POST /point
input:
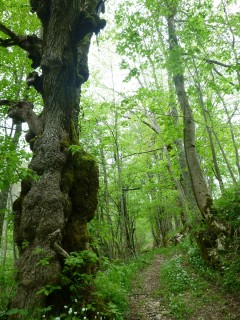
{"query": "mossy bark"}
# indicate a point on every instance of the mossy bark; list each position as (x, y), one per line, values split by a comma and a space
(53, 211)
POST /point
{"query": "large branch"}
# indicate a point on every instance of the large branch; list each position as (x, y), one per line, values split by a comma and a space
(7, 31)
(6, 42)
(5, 102)
(30, 43)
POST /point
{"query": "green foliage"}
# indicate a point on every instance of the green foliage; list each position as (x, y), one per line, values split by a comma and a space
(122, 137)
(7, 287)
(114, 283)
(76, 272)
(11, 161)
(44, 261)
(176, 281)
(20, 312)
(48, 290)
(228, 207)
(188, 285)
(231, 271)
(196, 261)
(75, 148)
(176, 276)
(80, 258)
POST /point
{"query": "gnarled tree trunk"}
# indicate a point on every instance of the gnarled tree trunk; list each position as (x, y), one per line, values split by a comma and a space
(52, 212)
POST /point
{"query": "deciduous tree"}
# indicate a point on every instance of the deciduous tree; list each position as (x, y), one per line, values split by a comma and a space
(52, 212)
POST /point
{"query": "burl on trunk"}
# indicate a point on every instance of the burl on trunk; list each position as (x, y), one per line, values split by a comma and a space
(52, 212)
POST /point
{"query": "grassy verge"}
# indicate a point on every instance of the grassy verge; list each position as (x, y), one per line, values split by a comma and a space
(114, 282)
(188, 287)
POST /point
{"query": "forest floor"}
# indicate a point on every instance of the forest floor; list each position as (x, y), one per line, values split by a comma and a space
(144, 300)
(179, 294)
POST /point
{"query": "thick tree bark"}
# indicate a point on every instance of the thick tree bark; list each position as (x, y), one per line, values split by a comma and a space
(51, 214)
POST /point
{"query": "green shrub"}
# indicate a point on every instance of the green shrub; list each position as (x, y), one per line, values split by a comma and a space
(228, 207)
(195, 259)
(231, 267)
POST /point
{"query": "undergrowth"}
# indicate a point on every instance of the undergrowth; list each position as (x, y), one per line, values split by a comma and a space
(114, 282)
(189, 287)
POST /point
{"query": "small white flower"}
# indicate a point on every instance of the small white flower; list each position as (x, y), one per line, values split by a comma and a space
(83, 309)
(65, 307)
(70, 311)
(43, 316)
(75, 300)
(57, 318)
(75, 312)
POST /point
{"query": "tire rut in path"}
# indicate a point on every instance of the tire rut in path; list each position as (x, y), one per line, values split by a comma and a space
(143, 301)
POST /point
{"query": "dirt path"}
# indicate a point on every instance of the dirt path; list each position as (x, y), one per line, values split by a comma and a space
(144, 301)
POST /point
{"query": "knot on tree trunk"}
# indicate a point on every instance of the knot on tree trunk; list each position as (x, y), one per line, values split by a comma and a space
(88, 23)
(33, 79)
(23, 112)
(42, 8)
(33, 45)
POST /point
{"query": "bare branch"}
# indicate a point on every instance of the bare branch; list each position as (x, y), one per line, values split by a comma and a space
(137, 153)
(218, 63)
(154, 128)
(220, 74)
(211, 61)
(60, 250)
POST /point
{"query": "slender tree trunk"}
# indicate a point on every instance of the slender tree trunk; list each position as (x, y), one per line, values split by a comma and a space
(231, 128)
(15, 139)
(234, 41)
(182, 198)
(209, 131)
(185, 176)
(125, 220)
(5, 244)
(217, 231)
(107, 204)
(225, 158)
(4, 193)
(3, 207)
